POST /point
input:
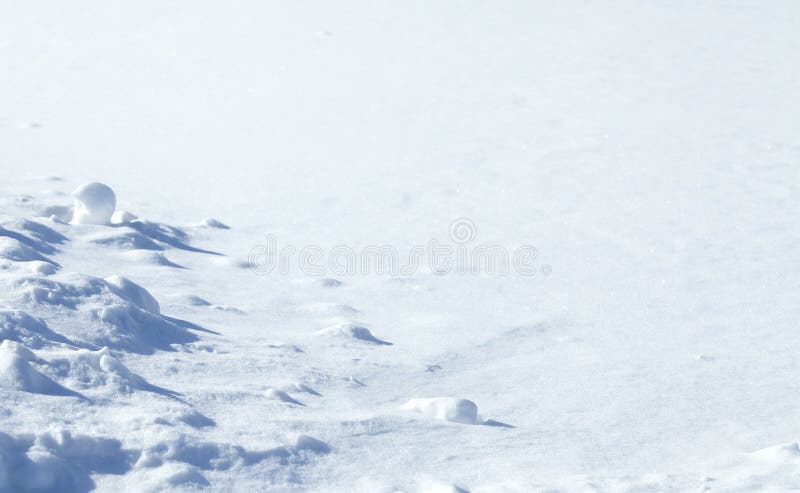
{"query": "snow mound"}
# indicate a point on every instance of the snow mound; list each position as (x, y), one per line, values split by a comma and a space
(213, 223)
(150, 257)
(165, 234)
(436, 487)
(102, 313)
(280, 395)
(129, 290)
(328, 309)
(14, 250)
(19, 326)
(300, 387)
(195, 300)
(208, 456)
(196, 420)
(191, 418)
(445, 408)
(16, 373)
(36, 235)
(94, 204)
(330, 283)
(94, 370)
(769, 469)
(20, 350)
(58, 461)
(171, 475)
(352, 331)
(131, 328)
(39, 267)
(124, 240)
(311, 444)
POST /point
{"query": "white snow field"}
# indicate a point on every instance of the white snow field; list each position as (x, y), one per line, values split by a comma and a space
(154, 154)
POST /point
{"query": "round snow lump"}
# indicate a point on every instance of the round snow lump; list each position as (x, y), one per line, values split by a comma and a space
(94, 204)
(446, 409)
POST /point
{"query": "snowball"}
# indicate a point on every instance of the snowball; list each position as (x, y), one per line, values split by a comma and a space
(94, 204)
(446, 408)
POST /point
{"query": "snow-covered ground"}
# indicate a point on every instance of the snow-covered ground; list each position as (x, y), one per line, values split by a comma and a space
(648, 151)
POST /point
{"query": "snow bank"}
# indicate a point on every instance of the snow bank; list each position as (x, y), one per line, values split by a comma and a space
(445, 408)
(94, 204)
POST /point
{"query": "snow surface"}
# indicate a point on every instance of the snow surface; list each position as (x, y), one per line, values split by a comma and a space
(648, 150)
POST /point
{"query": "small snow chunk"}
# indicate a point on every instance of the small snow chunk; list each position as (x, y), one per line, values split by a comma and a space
(300, 387)
(445, 408)
(196, 420)
(196, 301)
(94, 204)
(123, 217)
(352, 331)
(311, 444)
(355, 382)
(330, 283)
(279, 395)
(213, 223)
(435, 487)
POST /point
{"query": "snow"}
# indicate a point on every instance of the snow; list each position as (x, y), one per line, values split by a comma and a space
(94, 204)
(647, 152)
(446, 408)
(352, 331)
